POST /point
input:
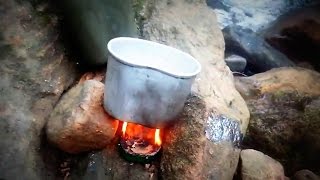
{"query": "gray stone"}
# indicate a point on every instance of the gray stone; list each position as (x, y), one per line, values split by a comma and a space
(88, 166)
(244, 24)
(236, 63)
(257, 166)
(259, 54)
(79, 123)
(34, 73)
(255, 16)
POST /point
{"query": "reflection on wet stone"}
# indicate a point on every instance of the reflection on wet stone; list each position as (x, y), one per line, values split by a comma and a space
(221, 128)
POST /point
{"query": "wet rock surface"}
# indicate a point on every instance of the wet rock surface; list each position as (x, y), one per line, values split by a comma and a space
(184, 143)
(284, 106)
(79, 123)
(189, 154)
(222, 152)
(34, 73)
(256, 165)
(221, 128)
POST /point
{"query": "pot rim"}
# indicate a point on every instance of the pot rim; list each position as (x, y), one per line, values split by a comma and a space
(174, 71)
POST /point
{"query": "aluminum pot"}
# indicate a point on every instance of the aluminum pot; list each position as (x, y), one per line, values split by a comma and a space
(147, 82)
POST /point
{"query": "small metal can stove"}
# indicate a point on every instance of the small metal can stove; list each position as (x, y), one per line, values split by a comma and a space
(139, 143)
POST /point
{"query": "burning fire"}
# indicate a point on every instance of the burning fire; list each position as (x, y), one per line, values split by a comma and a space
(136, 130)
(157, 139)
(124, 127)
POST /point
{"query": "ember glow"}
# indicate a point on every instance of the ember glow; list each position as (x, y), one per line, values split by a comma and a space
(138, 131)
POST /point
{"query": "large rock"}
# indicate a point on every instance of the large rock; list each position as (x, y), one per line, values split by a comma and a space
(298, 80)
(91, 24)
(191, 26)
(254, 16)
(305, 175)
(34, 73)
(79, 123)
(297, 35)
(244, 24)
(259, 54)
(257, 166)
(183, 145)
(188, 154)
(285, 115)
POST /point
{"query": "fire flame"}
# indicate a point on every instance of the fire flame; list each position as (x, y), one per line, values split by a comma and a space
(157, 139)
(124, 128)
(131, 129)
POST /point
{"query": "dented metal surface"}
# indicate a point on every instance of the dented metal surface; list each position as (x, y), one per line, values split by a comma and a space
(221, 128)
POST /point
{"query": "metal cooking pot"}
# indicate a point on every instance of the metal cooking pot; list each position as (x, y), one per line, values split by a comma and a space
(147, 82)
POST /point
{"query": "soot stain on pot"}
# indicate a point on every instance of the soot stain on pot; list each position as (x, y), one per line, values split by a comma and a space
(155, 95)
(145, 96)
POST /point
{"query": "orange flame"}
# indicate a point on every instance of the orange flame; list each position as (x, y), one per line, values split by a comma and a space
(124, 128)
(157, 139)
(137, 130)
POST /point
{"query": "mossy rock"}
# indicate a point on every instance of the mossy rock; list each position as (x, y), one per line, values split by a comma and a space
(283, 125)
